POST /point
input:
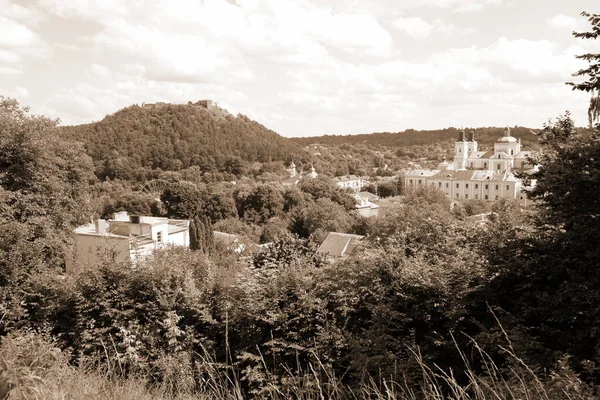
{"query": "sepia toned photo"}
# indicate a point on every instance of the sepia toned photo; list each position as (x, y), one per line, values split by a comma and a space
(299, 199)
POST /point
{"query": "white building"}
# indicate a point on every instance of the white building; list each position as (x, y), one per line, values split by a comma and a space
(125, 237)
(478, 175)
(353, 182)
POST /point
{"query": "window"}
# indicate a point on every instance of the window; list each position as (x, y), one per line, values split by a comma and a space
(486, 196)
(439, 184)
(496, 197)
(512, 152)
(447, 185)
(476, 197)
(498, 167)
(457, 185)
(507, 187)
(419, 181)
(485, 165)
(466, 185)
(471, 165)
(477, 186)
(411, 182)
(487, 186)
(457, 195)
(466, 195)
(496, 187)
(159, 237)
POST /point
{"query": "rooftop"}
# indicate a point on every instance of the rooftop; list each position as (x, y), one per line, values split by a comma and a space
(339, 244)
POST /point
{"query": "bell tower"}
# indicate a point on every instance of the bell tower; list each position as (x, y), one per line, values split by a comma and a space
(461, 151)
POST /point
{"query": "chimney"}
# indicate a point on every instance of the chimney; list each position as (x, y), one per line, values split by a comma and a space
(121, 216)
(101, 226)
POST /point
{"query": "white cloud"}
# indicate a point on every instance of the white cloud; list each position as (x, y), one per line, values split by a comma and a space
(419, 28)
(14, 34)
(8, 57)
(416, 27)
(22, 92)
(100, 71)
(561, 21)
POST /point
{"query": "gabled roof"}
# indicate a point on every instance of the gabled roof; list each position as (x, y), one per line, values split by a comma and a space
(339, 244)
(454, 175)
(503, 156)
(421, 172)
(481, 154)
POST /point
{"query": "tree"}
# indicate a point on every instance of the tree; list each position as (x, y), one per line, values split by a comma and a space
(387, 189)
(262, 202)
(592, 72)
(44, 183)
(183, 200)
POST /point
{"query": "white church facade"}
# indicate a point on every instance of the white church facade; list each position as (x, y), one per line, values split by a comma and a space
(478, 175)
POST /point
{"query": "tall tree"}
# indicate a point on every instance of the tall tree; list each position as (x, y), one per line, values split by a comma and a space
(592, 72)
(43, 191)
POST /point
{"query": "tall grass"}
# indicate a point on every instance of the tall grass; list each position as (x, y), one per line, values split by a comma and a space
(34, 369)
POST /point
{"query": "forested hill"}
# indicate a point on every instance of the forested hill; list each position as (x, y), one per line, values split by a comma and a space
(175, 137)
(411, 137)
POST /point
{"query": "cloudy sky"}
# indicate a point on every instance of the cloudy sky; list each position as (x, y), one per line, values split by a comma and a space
(300, 67)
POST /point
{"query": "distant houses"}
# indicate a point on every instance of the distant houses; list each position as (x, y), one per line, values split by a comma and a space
(353, 182)
(338, 245)
(125, 237)
(208, 104)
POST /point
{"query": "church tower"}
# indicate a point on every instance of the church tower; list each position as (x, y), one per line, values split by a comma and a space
(461, 151)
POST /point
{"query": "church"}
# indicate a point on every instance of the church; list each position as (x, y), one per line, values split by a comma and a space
(478, 175)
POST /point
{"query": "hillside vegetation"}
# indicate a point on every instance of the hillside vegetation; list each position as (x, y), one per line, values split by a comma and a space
(412, 137)
(176, 137)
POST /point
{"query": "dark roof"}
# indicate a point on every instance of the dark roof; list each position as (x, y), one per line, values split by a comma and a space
(339, 244)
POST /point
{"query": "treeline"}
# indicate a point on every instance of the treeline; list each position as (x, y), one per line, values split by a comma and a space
(411, 137)
(133, 141)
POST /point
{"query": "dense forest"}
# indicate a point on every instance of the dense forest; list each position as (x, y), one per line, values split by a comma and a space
(429, 306)
(135, 140)
(412, 137)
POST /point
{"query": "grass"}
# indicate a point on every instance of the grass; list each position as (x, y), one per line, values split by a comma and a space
(35, 369)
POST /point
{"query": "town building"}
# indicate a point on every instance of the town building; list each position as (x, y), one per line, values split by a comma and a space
(338, 245)
(478, 175)
(366, 204)
(125, 237)
(353, 182)
(296, 177)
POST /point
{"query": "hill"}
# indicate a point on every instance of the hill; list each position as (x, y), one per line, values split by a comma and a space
(411, 137)
(175, 137)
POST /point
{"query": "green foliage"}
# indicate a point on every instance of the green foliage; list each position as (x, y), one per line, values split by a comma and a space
(319, 218)
(387, 189)
(183, 200)
(176, 137)
(592, 72)
(259, 203)
(323, 188)
(43, 192)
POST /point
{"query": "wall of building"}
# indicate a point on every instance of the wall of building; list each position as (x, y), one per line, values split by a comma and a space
(179, 238)
(90, 249)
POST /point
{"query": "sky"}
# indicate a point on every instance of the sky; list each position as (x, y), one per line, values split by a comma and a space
(301, 67)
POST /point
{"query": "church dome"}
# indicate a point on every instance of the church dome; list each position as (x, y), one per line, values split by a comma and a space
(507, 138)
